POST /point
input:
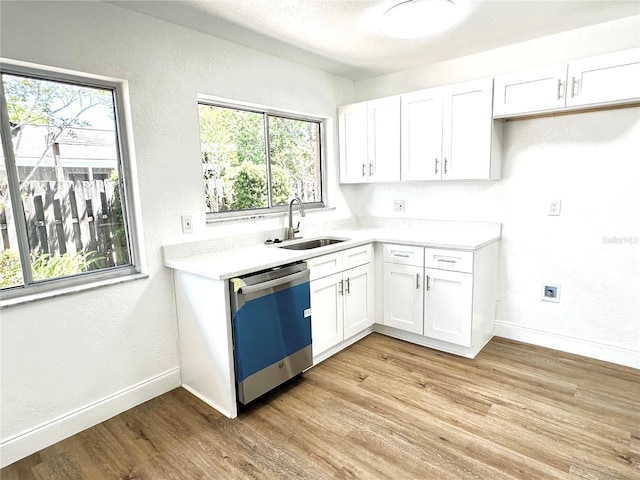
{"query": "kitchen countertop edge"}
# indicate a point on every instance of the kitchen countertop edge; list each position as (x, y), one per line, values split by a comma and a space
(236, 262)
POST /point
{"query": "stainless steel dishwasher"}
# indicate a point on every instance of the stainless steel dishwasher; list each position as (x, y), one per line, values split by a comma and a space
(271, 315)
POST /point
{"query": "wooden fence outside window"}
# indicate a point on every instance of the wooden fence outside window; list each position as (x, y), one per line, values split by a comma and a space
(66, 217)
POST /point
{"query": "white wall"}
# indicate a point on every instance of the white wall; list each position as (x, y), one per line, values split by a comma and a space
(590, 161)
(71, 361)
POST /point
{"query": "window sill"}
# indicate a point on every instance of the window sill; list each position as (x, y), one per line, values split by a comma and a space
(260, 216)
(33, 297)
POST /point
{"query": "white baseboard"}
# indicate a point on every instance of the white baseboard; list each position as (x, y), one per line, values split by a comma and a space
(37, 438)
(586, 348)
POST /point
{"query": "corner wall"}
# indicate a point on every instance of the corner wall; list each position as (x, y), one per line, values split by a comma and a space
(589, 161)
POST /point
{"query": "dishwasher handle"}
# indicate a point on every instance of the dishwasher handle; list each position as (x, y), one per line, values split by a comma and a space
(273, 283)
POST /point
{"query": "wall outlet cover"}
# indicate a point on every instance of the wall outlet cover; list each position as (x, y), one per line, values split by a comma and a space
(398, 205)
(187, 224)
(551, 293)
(554, 208)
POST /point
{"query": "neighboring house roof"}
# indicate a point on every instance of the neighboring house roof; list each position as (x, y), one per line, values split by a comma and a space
(79, 147)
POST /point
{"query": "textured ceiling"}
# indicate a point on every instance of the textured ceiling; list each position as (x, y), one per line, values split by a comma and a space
(342, 36)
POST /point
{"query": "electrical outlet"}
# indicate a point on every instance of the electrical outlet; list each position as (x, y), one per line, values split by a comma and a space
(554, 208)
(398, 205)
(187, 224)
(551, 293)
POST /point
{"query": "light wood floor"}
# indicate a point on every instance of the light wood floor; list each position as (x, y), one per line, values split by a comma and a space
(382, 409)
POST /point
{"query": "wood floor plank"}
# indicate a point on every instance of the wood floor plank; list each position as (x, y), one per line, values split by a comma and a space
(381, 409)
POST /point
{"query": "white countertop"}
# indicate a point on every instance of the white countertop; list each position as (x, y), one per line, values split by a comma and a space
(233, 262)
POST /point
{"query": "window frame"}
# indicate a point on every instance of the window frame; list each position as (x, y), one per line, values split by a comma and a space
(213, 217)
(136, 268)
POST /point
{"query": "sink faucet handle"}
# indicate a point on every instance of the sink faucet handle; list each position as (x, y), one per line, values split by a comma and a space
(297, 229)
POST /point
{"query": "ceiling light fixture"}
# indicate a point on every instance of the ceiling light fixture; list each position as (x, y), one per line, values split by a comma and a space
(422, 18)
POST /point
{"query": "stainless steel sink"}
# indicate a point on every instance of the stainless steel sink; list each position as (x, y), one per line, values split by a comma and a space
(315, 243)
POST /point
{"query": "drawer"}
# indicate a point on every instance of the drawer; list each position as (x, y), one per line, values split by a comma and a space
(354, 257)
(325, 265)
(452, 260)
(403, 254)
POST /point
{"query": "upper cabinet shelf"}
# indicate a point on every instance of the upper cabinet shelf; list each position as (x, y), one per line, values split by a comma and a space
(605, 80)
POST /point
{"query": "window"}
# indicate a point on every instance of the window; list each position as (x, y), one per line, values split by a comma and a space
(259, 160)
(64, 213)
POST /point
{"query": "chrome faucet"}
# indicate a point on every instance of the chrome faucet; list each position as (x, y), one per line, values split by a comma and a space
(291, 232)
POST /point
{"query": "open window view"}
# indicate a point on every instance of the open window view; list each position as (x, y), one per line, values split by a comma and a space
(257, 160)
(62, 163)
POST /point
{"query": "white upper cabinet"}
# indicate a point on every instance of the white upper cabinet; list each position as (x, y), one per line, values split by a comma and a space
(421, 129)
(610, 79)
(448, 133)
(353, 143)
(471, 144)
(530, 91)
(369, 136)
(384, 139)
(606, 79)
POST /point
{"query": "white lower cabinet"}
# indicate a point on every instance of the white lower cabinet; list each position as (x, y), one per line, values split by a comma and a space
(342, 303)
(327, 313)
(444, 299)
(448, 306)
(358, 299)
(403, 305)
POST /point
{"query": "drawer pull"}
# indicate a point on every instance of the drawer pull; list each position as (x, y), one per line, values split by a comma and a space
(447, 260)
(401, 255)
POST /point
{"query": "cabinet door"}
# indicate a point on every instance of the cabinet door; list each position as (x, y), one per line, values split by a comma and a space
(403, 297)
(384, 139)
(353, 143)
(326, 312)
(535, 90)
(358, 299)
(421, 135)
(467, 131)
(448, 306)
(606, 79)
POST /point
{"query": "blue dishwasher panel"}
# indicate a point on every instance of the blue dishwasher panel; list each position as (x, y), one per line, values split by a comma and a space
(270, 328)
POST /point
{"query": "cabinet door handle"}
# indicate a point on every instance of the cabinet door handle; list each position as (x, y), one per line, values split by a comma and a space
(370, 169)
(347, 286)
(417, 281)
(363, 170)
(574, 81)
(436, 172)
(445, 165)
(559, 88)
(341, 287)
(427, 282)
